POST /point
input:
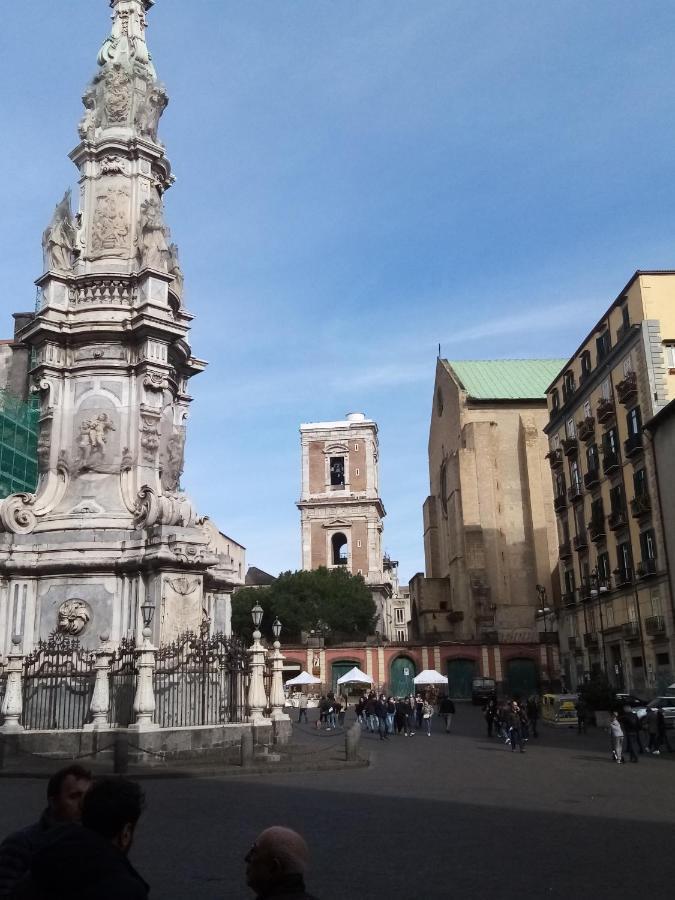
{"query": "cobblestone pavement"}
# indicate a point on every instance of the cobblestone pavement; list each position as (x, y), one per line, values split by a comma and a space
(448, 816)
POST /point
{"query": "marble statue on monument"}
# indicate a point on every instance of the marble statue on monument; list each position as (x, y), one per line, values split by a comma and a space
(109, 528)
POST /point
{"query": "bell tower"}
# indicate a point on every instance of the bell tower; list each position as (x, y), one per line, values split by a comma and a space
(341, 511)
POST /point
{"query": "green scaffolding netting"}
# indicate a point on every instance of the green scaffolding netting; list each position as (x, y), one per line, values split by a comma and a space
(18, 444)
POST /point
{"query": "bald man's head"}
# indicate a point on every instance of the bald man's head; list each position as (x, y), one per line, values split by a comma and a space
(277, 853)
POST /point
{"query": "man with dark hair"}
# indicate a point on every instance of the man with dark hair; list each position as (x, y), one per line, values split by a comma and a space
(90, 862)
(65, 792)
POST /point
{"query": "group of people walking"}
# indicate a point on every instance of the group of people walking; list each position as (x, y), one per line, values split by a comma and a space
(402, 715)
(626, 734)
(512, 721)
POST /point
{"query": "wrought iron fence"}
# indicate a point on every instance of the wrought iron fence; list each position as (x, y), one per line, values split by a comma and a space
(122, 684)
(58, 682)
(201, 680)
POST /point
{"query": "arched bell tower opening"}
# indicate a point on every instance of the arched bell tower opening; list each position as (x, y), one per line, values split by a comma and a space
(340, 549)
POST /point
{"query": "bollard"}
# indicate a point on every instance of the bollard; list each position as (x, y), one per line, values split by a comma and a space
(247, 749)
(352, 739)
(121, 755)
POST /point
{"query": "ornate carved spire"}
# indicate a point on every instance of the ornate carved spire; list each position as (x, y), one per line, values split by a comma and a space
(126, 44)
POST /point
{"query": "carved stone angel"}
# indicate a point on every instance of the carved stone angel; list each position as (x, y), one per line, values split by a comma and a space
(176, 271)
(59, 240)
(150, 112)
(151, 242)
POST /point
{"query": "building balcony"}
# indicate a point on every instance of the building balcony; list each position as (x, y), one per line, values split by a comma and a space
(548, 637)
(580, 542)
(575, 493)
(597, 529)
(568, 599)
(568, 391)
(655, 626)
(630, 631)
(570, 446)
(640, 505)
(623, 577)
(592, 478)
(565, 550)
(610, 462)
(622, 331)
(586, 429)
(632, 445)
(626, 390)
(617, 519)
(555, 458)
(646, 568)
(591, 639)
(604, 410)
(560, 502)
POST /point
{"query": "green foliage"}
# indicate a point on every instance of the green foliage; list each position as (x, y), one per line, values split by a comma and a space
(303, 601)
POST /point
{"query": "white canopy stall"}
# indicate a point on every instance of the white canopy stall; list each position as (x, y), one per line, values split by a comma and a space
(430, 676)
(355, 676)
(301, 679)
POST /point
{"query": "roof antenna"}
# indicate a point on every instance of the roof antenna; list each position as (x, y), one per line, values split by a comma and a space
(439, 352)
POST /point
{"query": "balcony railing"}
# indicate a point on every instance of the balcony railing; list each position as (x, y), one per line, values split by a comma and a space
(591, 639)
(597, 529)
(592, 477)
(633, 444)
(640, 505)
(626, 390)
(646, 568)
(565, 550)
(568, 599)
(610, 461)
(623, 577)
(655, 625)
(576, 492)
(555, 458)
(604, 410)
(560, 502)
(570, 446)
(580, 541)
(622, 331)
(569, 390)
(586, 429)
(618, 518)
(630, 631)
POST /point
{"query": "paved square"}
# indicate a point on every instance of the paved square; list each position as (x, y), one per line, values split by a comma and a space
(448, 816)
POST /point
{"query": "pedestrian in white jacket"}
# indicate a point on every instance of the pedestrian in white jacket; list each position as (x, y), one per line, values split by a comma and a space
(616, 734)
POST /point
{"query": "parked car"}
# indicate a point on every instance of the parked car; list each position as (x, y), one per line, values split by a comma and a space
(639, 707)
(482, 689)
(667, 704)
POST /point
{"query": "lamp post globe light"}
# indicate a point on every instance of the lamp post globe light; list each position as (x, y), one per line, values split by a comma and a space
(257, 698)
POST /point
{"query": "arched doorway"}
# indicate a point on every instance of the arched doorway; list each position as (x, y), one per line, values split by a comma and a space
(338, 669)
(401, 675)
(522, 677)
(461, 673)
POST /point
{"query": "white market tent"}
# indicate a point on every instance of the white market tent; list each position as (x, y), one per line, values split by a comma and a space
(303, 678)
(355, 676)
(430, 676)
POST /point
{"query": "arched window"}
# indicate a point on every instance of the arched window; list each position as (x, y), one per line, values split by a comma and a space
(340, 549)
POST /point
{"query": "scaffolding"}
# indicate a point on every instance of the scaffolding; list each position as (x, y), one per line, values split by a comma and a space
(19, 424)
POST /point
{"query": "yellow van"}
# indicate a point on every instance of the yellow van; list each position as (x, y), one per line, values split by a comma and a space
(559, 709)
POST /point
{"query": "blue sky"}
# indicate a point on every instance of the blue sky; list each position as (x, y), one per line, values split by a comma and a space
(359, 180)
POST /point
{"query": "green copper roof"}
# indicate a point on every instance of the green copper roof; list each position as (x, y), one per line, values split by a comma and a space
(505, 379)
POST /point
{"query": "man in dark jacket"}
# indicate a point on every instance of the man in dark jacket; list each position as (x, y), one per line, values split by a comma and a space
(89, 861)
(65, 793)
(276, 865)
(447, 711)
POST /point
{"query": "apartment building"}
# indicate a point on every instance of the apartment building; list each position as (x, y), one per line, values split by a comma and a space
(615, 611)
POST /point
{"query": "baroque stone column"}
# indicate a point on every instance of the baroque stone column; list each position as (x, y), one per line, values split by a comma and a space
(12, 705)
(100, 701)
(277, 698)
(257, 698)
(144, 701)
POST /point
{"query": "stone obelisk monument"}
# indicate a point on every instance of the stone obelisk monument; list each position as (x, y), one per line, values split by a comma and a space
(109, 529)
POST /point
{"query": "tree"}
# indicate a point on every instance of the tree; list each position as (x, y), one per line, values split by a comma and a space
(331, 600)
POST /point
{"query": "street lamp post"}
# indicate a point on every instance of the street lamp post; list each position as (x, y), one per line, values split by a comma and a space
(146, 657)
(544, 611)
(277, 699)
(257, 699)
(598, 588)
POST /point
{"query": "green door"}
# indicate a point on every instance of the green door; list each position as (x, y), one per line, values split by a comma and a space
(461, 673)
(522, 677)
(401, 677)
(338, 670)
